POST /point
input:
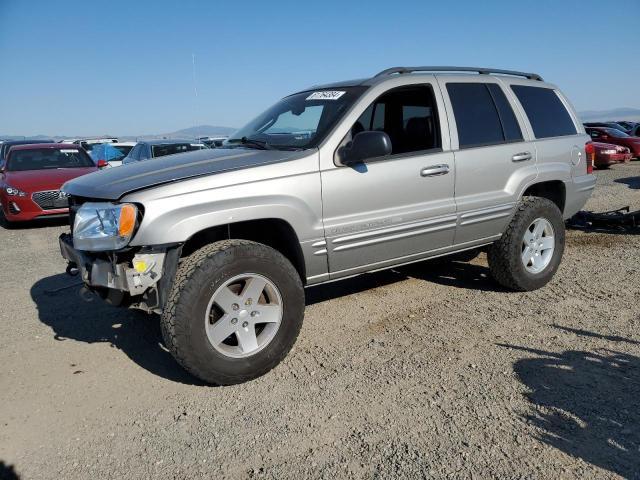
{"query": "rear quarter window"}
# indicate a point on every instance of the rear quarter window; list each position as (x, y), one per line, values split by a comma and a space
(483, 115)
(546, 112)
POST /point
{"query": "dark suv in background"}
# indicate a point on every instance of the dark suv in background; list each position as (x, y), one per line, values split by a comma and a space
(160, 148)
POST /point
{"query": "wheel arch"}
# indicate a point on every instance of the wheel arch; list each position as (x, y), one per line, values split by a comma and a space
(273, 232)
(553, 190)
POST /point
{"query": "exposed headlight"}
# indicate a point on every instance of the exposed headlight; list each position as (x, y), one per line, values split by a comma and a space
(14, 192)
(101, 227)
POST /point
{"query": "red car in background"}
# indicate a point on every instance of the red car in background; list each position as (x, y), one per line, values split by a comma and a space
(607, 154)
(611, 135)
(31, 177)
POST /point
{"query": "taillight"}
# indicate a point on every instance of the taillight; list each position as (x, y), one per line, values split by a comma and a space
(590, 154)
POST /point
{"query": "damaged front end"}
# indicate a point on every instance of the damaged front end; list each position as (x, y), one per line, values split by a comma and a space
(137, 277)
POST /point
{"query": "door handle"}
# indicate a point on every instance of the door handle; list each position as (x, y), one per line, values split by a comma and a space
(521, 157)
(434, 170)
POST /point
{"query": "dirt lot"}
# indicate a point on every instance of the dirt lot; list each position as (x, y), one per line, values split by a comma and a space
(425, 371)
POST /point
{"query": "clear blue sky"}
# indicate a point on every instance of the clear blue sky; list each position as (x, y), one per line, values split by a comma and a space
(125, 67)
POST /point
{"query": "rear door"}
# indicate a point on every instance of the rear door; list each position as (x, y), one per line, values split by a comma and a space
(493, 155)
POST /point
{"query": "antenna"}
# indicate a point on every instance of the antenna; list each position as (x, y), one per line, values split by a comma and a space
(195, 90)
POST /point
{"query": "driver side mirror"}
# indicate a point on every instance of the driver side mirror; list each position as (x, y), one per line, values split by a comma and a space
(102, 164)
(366, 145)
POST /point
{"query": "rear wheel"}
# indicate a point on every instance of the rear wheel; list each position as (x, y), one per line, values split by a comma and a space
(234, 312)
(529, 252)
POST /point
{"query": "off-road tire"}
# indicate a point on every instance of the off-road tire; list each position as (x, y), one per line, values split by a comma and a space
(197, 278)
(504, 255)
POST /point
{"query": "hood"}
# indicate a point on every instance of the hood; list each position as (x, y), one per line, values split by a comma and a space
(38, 180)
(113, 183)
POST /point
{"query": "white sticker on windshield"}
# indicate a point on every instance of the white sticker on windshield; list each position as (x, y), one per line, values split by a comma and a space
(326, 95)
(69, 150)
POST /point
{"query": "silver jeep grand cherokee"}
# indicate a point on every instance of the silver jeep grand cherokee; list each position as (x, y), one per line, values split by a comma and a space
(331, 182)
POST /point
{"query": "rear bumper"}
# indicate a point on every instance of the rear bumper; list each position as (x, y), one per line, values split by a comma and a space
(578, 191)
(606, 160)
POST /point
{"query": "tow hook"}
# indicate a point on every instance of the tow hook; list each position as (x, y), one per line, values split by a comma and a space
(72, 269)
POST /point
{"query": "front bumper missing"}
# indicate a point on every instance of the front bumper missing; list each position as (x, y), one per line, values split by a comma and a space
(101, 272)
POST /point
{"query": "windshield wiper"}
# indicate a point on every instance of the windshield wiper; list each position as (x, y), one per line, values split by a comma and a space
(252, 142)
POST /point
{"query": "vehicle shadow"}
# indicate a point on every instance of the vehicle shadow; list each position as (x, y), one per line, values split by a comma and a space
(586, 404)
(445, 272)
(33, 224)
(8, 472)
(455, 274)
(87, 318)
(631, 182)
(587, 333)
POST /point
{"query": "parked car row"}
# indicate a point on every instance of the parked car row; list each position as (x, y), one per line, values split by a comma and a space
(32, 172)
(613, 143)
(31, 176)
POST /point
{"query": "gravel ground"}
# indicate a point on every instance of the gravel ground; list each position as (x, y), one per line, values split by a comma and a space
(422, 372)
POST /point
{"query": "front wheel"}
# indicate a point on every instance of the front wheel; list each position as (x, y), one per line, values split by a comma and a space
(529, 252)
(4, 222)
(234, 311)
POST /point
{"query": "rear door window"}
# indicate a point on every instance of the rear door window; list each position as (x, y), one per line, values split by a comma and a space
(546, 112)
(476, 115)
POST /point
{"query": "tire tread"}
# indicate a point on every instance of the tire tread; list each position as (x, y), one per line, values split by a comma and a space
(190, 267)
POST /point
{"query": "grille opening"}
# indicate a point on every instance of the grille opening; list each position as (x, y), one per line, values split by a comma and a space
(51, 199)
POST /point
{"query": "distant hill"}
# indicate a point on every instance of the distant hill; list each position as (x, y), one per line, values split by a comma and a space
(629, 114)
(191, 132)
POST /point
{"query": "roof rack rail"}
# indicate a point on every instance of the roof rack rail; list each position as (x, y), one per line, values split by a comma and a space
(482, 71)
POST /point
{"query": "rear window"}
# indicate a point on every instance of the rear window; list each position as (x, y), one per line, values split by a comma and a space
(109, 152)
(170, 149)
(48, 158)
(124, 149)
(614, 132)
(483, 115)
(547, 114)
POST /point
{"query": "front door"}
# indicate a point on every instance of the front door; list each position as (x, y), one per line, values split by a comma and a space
(392, 209)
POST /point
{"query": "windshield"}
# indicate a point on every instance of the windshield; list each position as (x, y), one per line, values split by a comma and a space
(299, 121)
(173, 148)
(47, 158)
(109, 152)
(615, 132)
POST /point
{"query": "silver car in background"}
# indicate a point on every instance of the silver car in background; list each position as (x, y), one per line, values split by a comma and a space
(331, 182)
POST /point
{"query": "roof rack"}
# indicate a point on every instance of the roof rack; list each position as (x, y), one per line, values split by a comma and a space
(482, 71)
